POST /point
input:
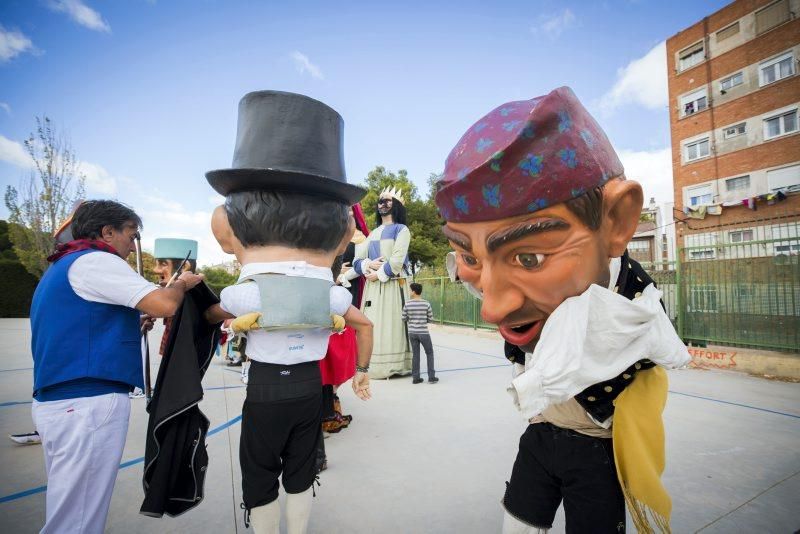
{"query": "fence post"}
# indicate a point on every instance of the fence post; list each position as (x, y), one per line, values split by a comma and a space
(441, 300)
(679, 292)
(474, 313)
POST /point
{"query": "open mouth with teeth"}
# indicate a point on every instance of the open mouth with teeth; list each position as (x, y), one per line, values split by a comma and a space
(522, 334)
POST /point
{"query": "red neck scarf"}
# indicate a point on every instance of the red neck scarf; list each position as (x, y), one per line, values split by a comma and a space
(62, 249)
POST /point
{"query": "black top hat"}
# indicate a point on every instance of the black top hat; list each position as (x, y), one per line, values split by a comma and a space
(287, 142)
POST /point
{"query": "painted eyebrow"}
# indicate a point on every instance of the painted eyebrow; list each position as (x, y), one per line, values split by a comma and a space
(458, 238)
(498, 239)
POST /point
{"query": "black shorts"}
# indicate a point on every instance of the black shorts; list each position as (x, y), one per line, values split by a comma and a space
(281, 424)
(555, 464)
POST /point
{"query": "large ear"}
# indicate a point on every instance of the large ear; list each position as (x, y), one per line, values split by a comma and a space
(622, 206)
(222, 230)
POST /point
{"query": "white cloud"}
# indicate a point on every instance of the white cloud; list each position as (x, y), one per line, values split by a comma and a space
(303, 65)
(98, 179)
(216, 200)
(165, 217)
(555, 24)
(5, 107)
(643, 81)
(652, 169)
(14, 153)
(82, 14)
(13, 43)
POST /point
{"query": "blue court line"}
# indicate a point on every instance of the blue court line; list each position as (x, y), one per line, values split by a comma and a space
(736, 404)
(472, 352)
(20, 369)
(123, 465)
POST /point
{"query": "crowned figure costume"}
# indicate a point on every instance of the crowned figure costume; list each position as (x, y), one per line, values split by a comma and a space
(384, 298)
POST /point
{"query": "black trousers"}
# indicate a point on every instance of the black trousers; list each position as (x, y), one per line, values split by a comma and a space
(281, 426)
(555, 464)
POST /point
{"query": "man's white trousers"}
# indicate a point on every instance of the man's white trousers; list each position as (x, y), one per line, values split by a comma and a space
(83, 439)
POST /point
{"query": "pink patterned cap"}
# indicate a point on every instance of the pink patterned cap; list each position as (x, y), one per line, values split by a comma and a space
(525, 156)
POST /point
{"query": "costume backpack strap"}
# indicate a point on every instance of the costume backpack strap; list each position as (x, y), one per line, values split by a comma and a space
(292, 302)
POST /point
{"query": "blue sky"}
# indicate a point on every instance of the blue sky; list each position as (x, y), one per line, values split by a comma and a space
(148, 90)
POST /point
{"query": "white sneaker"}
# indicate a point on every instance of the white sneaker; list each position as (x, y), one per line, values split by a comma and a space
(136, 394)
(31, 438)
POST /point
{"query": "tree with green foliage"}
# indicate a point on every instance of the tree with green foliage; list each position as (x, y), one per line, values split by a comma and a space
(16, 284)
(218, 279)
(45, 197)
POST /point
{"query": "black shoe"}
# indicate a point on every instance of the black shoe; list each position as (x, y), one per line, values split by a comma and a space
(433, 380)
(417, 381)
(237, 363)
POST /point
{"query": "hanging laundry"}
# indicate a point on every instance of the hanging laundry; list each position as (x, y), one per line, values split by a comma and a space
(716, 209)
(696, 212)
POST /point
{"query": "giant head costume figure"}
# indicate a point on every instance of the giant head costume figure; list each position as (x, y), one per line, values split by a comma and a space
(536, 206)
(539, 213)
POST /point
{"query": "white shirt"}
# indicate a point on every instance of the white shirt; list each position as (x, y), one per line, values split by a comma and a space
(106, 278)
(285, 347)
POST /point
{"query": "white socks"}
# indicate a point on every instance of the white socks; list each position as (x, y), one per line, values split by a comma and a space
(512, 525)
(266, 519)
(298, 511)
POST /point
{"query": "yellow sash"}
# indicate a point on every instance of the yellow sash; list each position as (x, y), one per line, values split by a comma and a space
(638, 433)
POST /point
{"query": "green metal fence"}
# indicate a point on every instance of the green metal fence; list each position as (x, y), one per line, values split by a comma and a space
(741, 287)
(738, 287)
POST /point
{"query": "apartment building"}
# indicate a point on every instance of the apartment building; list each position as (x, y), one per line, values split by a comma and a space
(734, 94)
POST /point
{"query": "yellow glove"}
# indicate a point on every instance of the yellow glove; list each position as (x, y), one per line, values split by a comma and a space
(246, 322)
(338, 323)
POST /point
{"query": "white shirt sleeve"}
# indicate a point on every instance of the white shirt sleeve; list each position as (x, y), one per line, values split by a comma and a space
(341, 299)
(106, 278)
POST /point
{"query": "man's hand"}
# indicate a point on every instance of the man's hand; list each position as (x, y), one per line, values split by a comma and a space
(191, 279)
(246, 322)
(371, 276)
(376, 263)
(146, 323)
(361, 386)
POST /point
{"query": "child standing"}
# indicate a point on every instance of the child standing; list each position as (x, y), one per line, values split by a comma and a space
(417, 313)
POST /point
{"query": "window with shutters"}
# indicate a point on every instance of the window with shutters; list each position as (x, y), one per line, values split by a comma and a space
(694, 102)
(697, 149)
(691, 56)
(731, 81)
(735, 130)
(730, 31)
(787, 178)
(782, 124)
(776, 69)
(772, 15)
(700, 196)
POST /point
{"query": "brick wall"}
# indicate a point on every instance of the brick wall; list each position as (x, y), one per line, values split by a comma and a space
(771, 153)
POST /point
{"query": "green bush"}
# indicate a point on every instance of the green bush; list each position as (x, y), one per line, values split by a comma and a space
(16, 287)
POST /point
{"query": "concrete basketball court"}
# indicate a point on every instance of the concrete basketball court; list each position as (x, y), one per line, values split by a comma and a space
(434, 458)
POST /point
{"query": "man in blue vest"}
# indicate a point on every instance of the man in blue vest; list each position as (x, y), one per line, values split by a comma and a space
(86, 345)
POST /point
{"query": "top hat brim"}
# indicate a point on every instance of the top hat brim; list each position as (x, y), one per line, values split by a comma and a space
(226, 181)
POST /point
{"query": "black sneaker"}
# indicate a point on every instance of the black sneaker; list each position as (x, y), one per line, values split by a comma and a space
(417, 381)
(433, 380)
